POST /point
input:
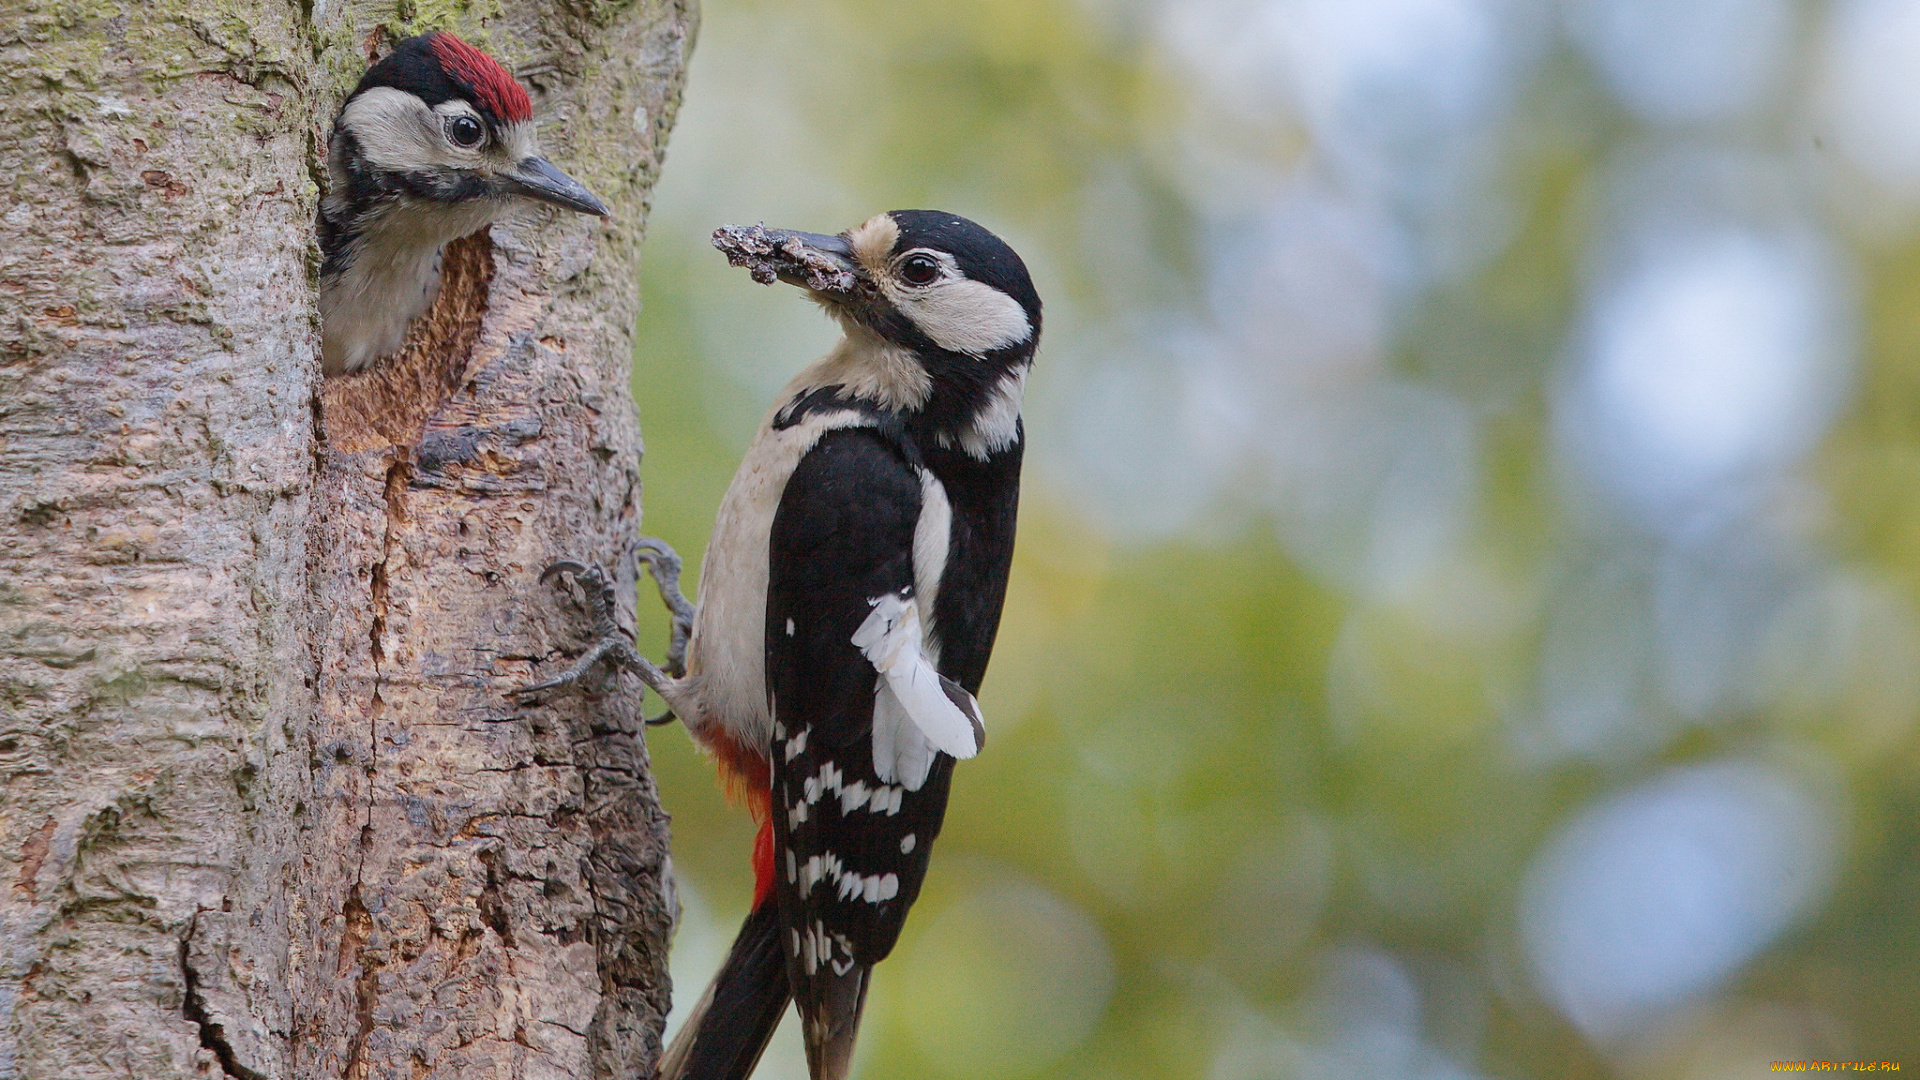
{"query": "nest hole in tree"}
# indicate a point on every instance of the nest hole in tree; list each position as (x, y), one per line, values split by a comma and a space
(389, 403)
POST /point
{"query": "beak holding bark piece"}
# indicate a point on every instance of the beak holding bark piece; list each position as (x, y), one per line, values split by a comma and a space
(815, 262)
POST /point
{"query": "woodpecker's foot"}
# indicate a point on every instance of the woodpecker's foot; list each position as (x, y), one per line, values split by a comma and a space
(611, 643)
(664, 564)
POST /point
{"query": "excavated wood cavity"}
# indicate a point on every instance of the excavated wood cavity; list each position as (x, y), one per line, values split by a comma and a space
(388, 403)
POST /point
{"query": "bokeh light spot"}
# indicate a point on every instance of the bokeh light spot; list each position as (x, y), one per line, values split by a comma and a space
(1686, 60)
(1717, 356)
(1646, 902)
(1872, 90)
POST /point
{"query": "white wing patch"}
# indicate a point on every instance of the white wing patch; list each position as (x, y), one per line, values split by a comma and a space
(901, 752)
(932, 536)
(915, 710)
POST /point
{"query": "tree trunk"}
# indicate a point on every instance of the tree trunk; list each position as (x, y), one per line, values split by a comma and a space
(265, 808)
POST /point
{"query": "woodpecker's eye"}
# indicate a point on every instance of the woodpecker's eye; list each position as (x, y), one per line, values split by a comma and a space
(465, 131)
(919, 269)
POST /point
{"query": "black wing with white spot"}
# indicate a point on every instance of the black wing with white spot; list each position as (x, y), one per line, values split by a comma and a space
(851, 841)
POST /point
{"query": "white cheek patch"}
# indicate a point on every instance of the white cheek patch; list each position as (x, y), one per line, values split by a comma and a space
(395, 129)
(966, 316)
(397, 132)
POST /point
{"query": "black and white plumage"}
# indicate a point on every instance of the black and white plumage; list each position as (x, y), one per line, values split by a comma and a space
(435, 142)
(850, 596)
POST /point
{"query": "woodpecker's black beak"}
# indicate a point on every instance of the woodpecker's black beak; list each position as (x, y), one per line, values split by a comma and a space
(806, 254)
(536, 178)
(822, 264)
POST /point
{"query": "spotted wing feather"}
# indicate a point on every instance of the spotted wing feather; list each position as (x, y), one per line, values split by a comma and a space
(851, 848)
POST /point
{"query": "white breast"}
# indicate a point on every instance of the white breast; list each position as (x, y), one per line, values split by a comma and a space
(726, 657)
(390, 279)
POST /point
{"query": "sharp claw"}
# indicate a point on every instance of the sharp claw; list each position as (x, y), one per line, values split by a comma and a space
(564, 566)
(615, 642)
(661, 720)
(665, 564)
(574, 673)
(535, 688)
(656, 552)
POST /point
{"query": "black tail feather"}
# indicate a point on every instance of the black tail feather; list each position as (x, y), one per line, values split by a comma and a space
(830, 1019)
(735, 1018)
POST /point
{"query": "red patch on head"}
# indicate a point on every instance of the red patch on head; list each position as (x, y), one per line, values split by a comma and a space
(499, 93)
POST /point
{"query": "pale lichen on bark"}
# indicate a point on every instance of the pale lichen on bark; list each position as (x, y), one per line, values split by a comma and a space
(265, 809)
(154, 492)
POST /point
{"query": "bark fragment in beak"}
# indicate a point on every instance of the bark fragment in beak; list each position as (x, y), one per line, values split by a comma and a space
(822, 264)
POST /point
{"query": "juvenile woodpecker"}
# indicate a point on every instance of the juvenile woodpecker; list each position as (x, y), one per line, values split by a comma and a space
(435, 143)
(849, 599)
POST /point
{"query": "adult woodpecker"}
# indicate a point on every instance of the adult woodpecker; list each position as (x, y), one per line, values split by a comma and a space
(849, 599)
(436, 142)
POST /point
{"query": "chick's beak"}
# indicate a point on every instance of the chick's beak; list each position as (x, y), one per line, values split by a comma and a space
(536, 178)
(821, 264)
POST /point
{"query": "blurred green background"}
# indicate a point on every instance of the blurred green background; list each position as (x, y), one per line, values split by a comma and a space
(1464, 617)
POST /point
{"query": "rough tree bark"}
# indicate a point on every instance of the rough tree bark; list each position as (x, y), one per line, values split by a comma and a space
(265, 809)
